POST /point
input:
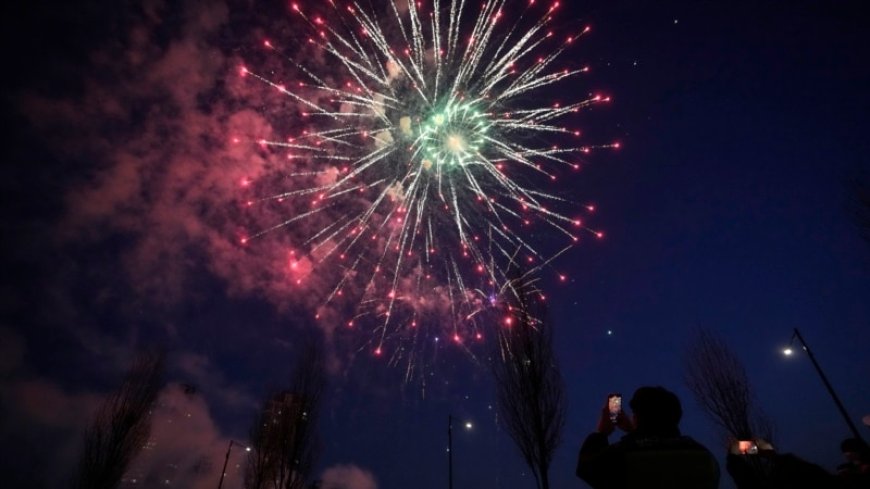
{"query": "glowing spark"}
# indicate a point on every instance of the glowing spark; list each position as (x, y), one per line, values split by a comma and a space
(424, 129)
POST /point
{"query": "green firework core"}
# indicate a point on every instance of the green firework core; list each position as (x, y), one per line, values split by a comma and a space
(452, 136)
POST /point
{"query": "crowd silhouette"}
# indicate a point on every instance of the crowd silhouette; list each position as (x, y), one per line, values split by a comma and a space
(653, 453)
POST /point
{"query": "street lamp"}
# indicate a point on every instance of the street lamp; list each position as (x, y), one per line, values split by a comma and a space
(788, 352)
(227, 459)
(468, 426)
(450, 451)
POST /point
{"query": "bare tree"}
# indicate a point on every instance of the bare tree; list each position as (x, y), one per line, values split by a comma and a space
(529, 387)
(720, 385)
(121, 426)
(284, 435)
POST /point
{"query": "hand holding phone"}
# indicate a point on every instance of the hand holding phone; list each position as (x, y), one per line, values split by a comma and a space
(614, 405)
(747, 447)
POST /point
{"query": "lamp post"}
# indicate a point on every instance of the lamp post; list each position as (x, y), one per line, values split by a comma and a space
(227, 459)
(788, 351)
(450, 451)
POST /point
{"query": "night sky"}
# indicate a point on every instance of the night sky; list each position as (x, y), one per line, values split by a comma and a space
(741, 126)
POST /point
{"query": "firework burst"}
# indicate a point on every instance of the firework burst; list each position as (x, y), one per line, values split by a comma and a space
(424, 159)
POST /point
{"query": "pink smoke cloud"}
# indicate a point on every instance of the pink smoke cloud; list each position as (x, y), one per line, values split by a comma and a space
(48, 404)
(41, 414)
(185, 449)
(164, 169)
(185, 445)
(170, 162)
(347, 476)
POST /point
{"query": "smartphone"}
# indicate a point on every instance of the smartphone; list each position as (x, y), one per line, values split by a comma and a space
(614, 405)
(747, 447)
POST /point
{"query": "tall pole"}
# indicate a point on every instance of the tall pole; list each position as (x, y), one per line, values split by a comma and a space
(449, 451)
(828, 385)
(226, 459)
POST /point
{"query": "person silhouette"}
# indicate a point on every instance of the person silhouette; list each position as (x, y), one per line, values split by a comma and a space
(855, 472)
(652, 453)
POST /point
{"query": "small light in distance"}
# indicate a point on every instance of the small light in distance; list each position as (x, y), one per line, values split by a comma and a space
(468, 425)
(787, 351)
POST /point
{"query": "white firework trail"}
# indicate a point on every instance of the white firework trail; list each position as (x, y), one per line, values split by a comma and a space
(424, 154)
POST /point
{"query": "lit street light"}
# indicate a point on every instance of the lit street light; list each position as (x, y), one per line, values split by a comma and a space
(227, 459)
(468, 426)
(788, 352)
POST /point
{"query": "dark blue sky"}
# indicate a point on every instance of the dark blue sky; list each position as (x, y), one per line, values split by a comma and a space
(744, 123)
(726, 208)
